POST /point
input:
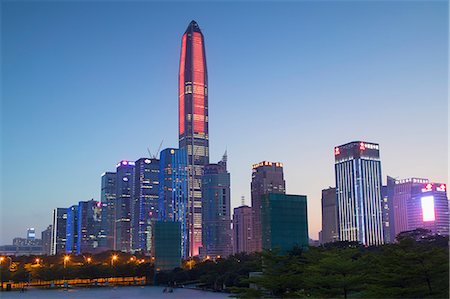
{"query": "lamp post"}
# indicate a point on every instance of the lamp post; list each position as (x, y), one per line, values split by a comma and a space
(87, 259)
(2, 259)
(113, 258)
(37, 260)
(66, 260)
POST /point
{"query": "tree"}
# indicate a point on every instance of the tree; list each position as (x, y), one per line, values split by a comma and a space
(337, 273)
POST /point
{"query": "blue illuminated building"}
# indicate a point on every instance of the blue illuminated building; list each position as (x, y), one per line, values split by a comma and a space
(145, 203)
(216, 210)
(91, 232)
(72, 229)
(108, 199)
(124, 194)
(173, 183)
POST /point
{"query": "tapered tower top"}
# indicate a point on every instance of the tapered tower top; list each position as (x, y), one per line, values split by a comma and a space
(193, 27)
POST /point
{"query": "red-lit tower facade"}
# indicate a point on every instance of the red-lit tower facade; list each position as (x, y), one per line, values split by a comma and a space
(193, 126)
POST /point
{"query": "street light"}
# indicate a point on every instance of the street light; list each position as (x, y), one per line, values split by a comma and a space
(66, 260)
(113, 258)
(2, 259)
(89, 259)
(37, 260)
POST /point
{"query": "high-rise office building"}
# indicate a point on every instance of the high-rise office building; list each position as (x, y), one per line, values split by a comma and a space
(46, 237)
(216, 210)
(267, 177)
(387, 193)
(72, 229)
(58, 243)
(329, 216)
(90, 228)
(242, 229)
(284, 222)
(145, 203)
(419, 203)
(124, 195)
(173, 192)
(358, 190)
(193, 125)
(108, 199)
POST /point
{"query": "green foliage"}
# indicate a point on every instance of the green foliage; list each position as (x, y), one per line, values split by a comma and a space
(415, 267)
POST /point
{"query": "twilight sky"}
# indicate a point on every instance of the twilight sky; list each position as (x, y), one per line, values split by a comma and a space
(85, 85)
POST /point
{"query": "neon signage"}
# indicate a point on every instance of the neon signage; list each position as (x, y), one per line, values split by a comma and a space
(428, 213)
(441, 188)
(428, 187)
(337, 151)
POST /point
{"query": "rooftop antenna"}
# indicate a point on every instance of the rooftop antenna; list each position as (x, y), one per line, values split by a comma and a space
(159, 148)
(149, 153)
(243, 200)
(155, 156)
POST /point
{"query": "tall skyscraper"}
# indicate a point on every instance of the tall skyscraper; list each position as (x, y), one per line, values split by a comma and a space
(358, 189)
(419, 203)
(124, 194)
(90, 228)
(72, 229)
(108, 199)
(173, 188)
(242, 229)
(284, 221)
(387, 193)
(216, 210)
(329, 216)
(145, 203)
(58, 244)
(193, 125)
(267, 177)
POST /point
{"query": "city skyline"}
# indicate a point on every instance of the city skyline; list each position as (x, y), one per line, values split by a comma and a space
(309, 129)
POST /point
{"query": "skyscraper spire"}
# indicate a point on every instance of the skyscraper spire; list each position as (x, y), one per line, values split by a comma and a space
(193, 125)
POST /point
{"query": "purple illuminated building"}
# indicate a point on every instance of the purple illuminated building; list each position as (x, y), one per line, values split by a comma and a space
(419, 203)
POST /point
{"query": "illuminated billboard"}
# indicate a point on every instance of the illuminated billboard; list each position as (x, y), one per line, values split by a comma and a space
(428, 213)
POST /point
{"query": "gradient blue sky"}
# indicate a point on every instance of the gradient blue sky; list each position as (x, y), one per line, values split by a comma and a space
(85, 85)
